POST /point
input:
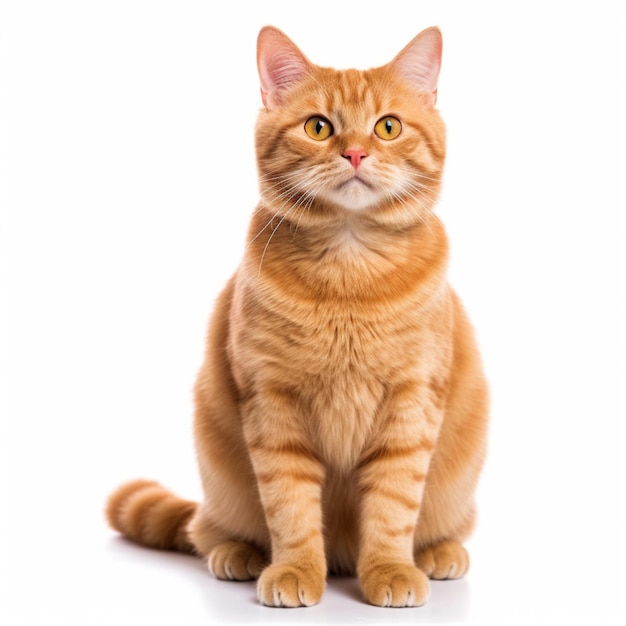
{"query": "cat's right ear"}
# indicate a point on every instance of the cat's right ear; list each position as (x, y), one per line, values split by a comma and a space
(280, 63)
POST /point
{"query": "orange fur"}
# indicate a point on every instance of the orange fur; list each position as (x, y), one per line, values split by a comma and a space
(341, 409)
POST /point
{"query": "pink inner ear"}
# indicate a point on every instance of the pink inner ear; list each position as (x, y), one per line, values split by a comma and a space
(419, 62)
(280, 64)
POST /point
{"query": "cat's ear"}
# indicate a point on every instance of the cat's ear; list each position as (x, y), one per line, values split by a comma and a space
(280, 63)
(419, 62)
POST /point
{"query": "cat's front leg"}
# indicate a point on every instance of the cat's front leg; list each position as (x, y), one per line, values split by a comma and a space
(392, 476)
(290, 479)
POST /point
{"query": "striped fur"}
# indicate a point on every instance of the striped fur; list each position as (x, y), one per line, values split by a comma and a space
(147, 513)
(341, 409)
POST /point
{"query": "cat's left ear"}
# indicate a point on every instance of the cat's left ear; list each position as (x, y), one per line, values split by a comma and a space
(280, 63)
(419, 62)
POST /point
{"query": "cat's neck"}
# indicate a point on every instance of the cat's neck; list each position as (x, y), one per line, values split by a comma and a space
(348, 255)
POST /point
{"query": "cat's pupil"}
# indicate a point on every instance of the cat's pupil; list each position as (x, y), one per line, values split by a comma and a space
(388, 126)
(318, 126)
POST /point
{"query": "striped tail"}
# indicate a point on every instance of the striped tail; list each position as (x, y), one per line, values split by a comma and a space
(149, 514)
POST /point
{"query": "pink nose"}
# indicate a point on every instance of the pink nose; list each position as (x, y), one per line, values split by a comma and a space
(355, 155)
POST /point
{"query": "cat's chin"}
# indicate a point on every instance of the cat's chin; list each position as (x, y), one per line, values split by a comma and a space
(354, 195)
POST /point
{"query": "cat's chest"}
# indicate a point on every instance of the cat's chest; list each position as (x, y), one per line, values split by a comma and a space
(340, 358)
(347, 343)
(334, 340)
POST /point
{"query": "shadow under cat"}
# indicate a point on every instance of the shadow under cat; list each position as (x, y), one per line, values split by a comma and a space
(235, 602)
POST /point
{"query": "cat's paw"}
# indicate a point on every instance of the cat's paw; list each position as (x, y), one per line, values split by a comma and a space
(446, 560)
(289, 586)
(395, 584)
(235, 560)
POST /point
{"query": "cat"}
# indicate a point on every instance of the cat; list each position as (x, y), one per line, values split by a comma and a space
(341, 409)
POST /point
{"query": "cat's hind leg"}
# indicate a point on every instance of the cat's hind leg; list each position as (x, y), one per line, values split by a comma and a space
(227, 558)
(236, 560)
(445, 560)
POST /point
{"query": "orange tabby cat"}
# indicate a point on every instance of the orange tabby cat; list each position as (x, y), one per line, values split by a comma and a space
(341, 409)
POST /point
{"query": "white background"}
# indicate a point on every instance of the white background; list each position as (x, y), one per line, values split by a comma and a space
(128, 178)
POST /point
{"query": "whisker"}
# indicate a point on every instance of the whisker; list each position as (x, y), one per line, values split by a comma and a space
(283, 193)
(271, 237)
(307, 181)
(305, 207)
(415, 194)
(296, 205)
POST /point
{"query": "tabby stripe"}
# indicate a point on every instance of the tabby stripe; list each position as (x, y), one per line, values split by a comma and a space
(137, 511)
(269, 476)
(406, 501)
(299, 542)
(382, 567)
(294, 448)
(149, 514)
(273, 144)
(399, 532)
(434, 152)
(275, 508)
(384, 454)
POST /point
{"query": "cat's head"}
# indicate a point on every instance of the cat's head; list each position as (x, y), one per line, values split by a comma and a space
(349, 140)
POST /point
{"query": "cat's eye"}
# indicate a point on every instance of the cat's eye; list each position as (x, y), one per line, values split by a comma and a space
(388, 127)
(318, 128)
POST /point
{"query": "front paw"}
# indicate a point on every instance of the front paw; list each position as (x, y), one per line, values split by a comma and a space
(290, 586)
(395, 584)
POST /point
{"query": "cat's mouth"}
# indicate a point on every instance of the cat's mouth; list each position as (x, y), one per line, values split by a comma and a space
(355, 180)
(355, 192)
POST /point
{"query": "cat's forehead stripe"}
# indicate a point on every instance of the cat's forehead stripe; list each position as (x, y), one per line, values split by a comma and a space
(347, 87)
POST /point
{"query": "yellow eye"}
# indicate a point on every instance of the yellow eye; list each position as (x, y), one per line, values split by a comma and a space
(318, 128)
(388, 127)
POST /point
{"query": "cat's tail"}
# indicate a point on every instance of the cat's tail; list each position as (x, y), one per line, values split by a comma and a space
(150, 515)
